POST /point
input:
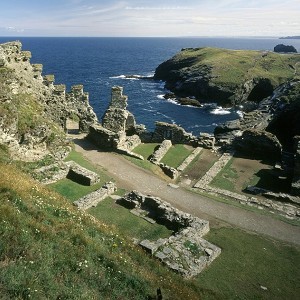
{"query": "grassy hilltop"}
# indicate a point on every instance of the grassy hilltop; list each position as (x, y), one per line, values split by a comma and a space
(224, 76)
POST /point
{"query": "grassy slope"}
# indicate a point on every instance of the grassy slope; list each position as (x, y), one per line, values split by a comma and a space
(50, 249)
(232, 67)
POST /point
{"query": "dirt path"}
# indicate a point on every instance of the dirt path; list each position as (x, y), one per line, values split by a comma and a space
(131, 177)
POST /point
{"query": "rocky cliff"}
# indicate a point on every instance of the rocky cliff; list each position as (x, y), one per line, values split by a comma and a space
(228, 77)
(34, 111)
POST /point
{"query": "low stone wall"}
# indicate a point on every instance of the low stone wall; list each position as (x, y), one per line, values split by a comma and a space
(81, 175)
(287, 210)
(157, 155)
(189, 159)
(171, 132)
(92, 199)
(186, 252)
(214, 170)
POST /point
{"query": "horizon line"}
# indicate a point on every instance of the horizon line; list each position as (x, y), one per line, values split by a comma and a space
(200, 36)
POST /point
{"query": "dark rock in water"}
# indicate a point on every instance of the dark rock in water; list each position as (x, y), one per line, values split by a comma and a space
(285, 48)
(258, 144)
(183, 101)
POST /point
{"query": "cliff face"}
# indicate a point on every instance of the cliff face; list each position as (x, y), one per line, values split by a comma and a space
(34, 111)
(228, 77)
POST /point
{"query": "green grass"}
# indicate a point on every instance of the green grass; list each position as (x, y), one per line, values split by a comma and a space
(72, 190)
(50, 249)
(145, 149)
(176, 155)
(247, 262)
(225, 178)
(130, 225)
(232, 67)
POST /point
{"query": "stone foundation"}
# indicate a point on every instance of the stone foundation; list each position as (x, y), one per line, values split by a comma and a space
(185, 252)
(81, 175)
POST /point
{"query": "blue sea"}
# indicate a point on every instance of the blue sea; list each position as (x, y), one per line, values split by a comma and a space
(100, 63)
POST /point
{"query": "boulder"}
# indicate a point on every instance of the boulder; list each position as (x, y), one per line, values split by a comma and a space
(258, 144)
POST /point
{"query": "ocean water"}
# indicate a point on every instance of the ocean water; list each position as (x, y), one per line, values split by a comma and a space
(100, 63)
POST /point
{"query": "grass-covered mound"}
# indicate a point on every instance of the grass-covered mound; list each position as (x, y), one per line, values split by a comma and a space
(225, 76)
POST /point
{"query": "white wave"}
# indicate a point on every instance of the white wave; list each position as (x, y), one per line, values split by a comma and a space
(118, 77)
(132, 76)
(240, 114)
(162, 96)
(220, 111)
(148, 109)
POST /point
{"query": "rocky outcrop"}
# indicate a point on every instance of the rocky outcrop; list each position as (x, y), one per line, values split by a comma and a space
(296, 179)
(284, 48)
(228, 77)
(34, 111)
(258, 144)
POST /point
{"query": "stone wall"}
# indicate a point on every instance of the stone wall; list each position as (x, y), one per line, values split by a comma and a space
(92, 199)
(81, 175)
(158, 154)
(56, 105)
(101, 137)
(172, 132)
(118, 126)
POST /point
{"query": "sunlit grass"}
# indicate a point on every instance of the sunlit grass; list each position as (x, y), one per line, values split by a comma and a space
(176, 155)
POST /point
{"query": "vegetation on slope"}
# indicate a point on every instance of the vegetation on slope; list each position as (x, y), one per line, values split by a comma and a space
(50, 250)
(22, 114)
(215, 74)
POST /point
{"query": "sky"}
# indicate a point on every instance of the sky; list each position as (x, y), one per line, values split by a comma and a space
(132, 18)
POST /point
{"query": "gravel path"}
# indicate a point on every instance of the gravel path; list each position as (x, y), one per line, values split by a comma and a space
(131, 177)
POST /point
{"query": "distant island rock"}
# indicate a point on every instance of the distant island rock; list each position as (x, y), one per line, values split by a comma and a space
(293, 37)
(285, 49)
(226, 77)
